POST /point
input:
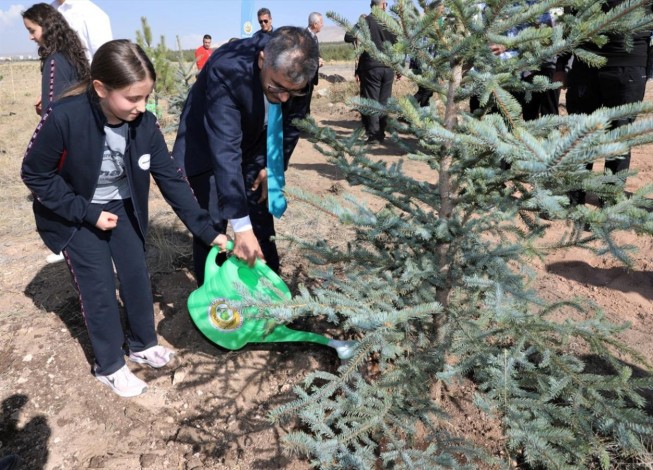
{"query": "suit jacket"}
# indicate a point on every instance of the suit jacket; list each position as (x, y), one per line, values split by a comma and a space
(222, 126)
(379, 35)
(316, 78)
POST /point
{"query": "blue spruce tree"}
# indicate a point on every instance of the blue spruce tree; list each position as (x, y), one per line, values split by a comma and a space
(436, 284)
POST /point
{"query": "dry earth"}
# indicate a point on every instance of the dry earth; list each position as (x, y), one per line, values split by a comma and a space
(209, 409)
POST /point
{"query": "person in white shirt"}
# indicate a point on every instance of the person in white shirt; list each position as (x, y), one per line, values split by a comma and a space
(91, 23)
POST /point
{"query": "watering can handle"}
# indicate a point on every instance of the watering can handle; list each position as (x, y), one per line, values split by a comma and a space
(260, 268)
(211, 268)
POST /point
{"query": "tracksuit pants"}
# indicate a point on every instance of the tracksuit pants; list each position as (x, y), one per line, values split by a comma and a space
(91, 255)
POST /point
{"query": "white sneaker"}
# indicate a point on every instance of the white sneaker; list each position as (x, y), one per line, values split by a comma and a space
(156, 356)
(123, 382)
(54, 258)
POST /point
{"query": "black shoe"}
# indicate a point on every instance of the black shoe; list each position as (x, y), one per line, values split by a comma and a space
(375, 139)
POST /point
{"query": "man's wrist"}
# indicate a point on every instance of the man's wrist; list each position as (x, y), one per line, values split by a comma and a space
(241, 225)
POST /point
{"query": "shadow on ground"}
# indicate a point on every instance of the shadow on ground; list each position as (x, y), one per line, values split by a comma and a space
(29, 442)
(617, 278)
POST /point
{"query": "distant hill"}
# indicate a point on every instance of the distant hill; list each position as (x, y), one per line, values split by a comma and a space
(332, 34)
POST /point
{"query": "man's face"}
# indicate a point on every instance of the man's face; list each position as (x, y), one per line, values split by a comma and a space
(383, 5)
(206, 43)
(266, 23)
(276, 86)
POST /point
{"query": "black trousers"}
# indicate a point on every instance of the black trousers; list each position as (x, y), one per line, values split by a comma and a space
(589, 89)
(262, 221)
(541, 103)
(376, 84)
(423, 96)
(310, 87)
(91, 256)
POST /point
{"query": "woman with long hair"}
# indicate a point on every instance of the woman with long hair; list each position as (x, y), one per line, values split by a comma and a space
(63, 58)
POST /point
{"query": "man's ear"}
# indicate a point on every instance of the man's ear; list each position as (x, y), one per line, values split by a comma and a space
(261, 59)
(100, 89)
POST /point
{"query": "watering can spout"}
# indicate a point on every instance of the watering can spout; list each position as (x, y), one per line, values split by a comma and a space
(344, 349)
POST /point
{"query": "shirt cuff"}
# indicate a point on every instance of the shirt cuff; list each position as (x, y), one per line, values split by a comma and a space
(241, 225)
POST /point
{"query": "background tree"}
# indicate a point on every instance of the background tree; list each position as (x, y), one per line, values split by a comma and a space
(166, 80)
(436, 284)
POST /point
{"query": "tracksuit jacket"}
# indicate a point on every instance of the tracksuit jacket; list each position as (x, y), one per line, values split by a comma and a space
(62, 164)
(57, 76)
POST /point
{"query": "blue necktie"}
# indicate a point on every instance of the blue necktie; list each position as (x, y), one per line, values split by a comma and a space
(276, 201)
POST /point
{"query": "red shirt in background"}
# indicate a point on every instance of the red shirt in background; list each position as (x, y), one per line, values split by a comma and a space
(201, 56)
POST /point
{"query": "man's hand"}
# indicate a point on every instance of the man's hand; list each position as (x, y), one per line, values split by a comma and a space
(320, 62)
(107, 221)
(246, 247)
(262, 180)
(38, 107)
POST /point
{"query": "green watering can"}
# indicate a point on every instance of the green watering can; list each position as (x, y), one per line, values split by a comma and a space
(210, 308)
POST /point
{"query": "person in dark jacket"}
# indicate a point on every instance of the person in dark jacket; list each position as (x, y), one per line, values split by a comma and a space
(315, 24)
(63, 58)
(375, 77)
(221, 143)
(264, 17)
(622, 80)
(88, 165)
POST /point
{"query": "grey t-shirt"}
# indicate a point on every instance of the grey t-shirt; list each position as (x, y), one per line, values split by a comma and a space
(113, 183)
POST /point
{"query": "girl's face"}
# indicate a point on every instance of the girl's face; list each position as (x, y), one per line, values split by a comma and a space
(124, 104)
(35, 31)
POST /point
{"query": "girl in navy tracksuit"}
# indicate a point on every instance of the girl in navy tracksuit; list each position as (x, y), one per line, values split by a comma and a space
(63, 59)
(88, 165)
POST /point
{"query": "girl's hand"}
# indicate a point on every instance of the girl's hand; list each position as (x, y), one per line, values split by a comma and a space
(107, 221)
(221, 241)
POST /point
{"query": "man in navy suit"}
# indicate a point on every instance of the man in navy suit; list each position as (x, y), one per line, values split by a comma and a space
(221, 141)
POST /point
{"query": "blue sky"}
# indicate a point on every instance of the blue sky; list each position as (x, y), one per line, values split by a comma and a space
(188, 19)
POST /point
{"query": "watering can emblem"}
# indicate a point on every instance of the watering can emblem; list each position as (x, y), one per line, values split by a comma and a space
(211, 307)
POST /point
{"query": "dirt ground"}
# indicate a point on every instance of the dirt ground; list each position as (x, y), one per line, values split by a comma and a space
(209, 410)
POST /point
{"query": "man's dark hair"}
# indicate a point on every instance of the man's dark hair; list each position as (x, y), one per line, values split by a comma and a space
(294, 52)
(207, 36)
(264, 11)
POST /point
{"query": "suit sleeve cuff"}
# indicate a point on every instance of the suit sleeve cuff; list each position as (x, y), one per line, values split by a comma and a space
(241, 225)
